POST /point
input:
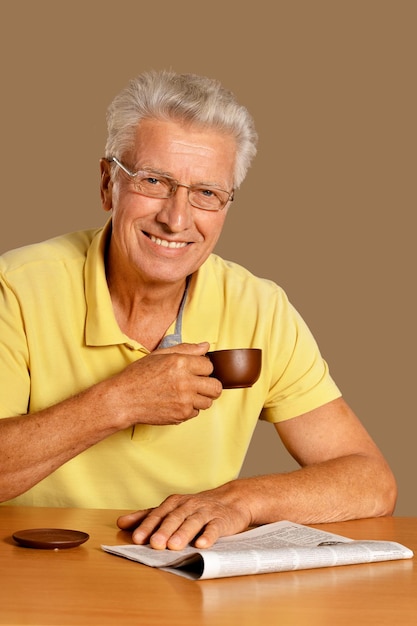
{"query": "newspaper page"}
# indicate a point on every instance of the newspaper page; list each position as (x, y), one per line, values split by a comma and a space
(277, 547)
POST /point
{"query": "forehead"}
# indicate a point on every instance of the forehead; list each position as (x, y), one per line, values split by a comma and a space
(171, 145)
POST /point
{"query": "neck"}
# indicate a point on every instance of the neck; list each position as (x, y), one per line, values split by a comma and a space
(144, 312)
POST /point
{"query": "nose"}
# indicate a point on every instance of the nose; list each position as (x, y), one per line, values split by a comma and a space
(176, 211)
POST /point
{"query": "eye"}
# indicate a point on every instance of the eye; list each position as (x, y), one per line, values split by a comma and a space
(152, 185)
(208, 198)
(151, 180)
(206, 193)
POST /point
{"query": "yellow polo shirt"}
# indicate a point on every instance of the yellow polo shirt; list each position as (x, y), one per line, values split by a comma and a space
(58, 336)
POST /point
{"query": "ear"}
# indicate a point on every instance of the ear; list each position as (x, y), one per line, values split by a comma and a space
(106, 185)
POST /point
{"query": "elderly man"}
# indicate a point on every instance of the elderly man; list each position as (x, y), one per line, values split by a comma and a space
(106, 395)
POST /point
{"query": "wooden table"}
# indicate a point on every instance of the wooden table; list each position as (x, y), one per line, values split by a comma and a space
(85, 585)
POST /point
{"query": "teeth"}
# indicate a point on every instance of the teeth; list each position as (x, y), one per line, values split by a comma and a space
(167, 244)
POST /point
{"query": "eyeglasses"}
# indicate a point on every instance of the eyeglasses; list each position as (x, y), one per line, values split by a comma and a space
(153, 185)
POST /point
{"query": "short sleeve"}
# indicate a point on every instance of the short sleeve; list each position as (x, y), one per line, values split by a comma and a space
(299, 376)
(14, 359)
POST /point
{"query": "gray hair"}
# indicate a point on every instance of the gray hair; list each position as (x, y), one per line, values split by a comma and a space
(190, 98)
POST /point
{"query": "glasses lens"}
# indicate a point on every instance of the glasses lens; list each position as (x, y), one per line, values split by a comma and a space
(153, 185)
(208, 199)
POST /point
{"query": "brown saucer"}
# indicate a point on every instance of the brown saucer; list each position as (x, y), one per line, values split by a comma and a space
(50, 538)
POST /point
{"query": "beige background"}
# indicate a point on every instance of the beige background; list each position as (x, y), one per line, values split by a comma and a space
(328, 208)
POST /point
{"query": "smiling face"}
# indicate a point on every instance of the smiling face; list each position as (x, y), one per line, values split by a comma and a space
(158, 240)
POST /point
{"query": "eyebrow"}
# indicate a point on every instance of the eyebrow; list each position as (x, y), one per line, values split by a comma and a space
(155, 170)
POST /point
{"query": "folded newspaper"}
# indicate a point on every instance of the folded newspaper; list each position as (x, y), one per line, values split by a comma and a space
(277, 547)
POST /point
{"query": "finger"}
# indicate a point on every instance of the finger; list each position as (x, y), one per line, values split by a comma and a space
(208, 387)
(176, 534)
(198, 349)
(143, 532)
(202, 401)
(209, 536)
(189, 358)
(159, 536)
(131, 520)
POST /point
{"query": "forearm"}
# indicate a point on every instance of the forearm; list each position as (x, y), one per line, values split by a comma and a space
(350, 487)
(33, 446)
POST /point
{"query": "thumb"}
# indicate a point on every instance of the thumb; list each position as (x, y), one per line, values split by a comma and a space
(197, 349)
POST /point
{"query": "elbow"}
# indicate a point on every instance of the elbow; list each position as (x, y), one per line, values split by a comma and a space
(391, 498)
(6, 495)
(388, 494)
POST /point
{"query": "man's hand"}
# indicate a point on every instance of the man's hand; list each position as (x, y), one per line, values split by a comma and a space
(181, 518)
(169, 386)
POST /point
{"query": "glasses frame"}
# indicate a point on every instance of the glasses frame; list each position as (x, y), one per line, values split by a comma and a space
(175, 184)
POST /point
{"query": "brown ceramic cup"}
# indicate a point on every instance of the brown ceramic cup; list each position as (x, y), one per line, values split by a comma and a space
(237, 367)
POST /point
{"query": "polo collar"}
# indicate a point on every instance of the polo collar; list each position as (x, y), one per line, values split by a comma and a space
(101, 327)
